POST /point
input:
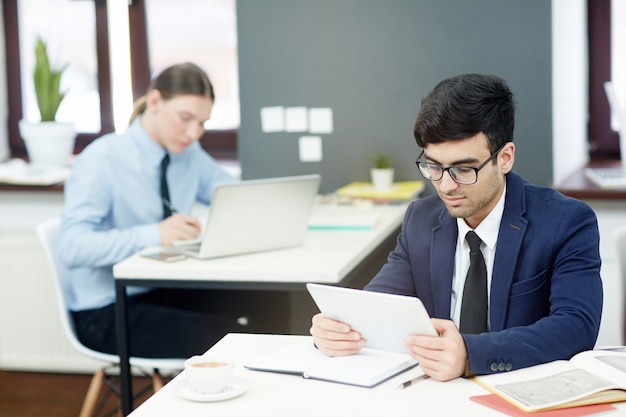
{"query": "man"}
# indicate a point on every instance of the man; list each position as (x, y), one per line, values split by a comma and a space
(539, 250)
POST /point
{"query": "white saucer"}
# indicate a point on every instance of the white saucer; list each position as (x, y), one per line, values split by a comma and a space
(236, 388)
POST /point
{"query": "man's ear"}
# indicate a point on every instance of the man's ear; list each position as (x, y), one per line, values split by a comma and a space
(507, 157)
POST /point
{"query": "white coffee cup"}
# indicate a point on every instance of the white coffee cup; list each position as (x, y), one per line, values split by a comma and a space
(208, 375)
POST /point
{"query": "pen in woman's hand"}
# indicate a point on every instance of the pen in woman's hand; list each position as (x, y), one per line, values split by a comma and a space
(413, 381)
(169, 205)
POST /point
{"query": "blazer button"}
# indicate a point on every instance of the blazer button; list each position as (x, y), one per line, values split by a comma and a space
(493, 366)
(508, 366)
(501, 366)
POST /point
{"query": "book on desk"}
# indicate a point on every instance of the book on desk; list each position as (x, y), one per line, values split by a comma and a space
(590, 377)
(333, 213)
(367, 368)
(348, 220)
(399, 191)
(503, 406)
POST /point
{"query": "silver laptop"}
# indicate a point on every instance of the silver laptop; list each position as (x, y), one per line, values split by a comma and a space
(256, 215)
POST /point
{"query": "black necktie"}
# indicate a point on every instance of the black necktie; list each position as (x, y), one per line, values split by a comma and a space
(474, 303)
(165, 192)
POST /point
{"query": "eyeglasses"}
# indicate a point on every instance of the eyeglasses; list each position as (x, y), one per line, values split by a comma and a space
(461, 174)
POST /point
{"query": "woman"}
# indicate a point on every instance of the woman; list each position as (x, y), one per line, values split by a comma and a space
(117, 203)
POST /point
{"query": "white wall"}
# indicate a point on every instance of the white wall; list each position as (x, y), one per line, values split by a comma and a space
(569, 87)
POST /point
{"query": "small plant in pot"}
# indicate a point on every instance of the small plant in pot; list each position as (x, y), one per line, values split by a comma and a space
(382, 171)
(49, 141)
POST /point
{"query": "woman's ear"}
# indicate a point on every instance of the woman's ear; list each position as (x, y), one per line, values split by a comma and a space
(153, 99)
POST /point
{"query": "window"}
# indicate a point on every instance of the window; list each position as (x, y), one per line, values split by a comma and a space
(607, 61)
(618, 52)
(79, 36)
(204, 32)
(207, 37)
(72, 38)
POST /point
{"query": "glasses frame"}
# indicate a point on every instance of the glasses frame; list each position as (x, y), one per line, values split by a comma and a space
(447, 169)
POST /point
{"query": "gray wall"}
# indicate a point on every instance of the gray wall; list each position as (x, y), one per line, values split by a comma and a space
(372, 61)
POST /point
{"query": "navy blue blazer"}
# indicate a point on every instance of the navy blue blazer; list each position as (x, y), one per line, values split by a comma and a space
(546, 291)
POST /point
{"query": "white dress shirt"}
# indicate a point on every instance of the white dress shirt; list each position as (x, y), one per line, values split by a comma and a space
(487, 231)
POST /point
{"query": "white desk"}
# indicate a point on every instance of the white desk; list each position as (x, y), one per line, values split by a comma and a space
(326, 256)
(277, 395)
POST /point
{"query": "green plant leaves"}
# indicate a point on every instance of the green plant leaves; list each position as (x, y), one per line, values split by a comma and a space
(47, 83)
(380, 161)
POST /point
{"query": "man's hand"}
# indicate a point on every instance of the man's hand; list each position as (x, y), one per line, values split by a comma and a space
(334, 338)
(178, 227)
(443, 357)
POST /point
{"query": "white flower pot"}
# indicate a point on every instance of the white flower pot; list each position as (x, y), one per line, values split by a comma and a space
(48, 142)
(382, 179)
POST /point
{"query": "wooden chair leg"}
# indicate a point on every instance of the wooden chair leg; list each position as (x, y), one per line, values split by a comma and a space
(93, 392)
(157, 381)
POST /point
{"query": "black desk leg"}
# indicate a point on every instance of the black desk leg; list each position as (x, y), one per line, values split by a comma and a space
(121, 322)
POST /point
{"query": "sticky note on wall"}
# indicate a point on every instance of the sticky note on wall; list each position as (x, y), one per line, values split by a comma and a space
(273, 119)
(321, 120)
(310, 148)
(296, 119)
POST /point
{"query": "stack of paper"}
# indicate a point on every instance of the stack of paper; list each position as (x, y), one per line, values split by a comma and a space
(612, 177)
(18, 172)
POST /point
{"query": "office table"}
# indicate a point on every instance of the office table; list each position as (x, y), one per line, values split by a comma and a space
(326, 256)
(278, 395)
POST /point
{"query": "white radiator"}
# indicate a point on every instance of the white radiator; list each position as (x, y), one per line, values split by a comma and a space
(31, 337)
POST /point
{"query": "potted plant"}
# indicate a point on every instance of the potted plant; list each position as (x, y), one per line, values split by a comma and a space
(382, 171)
(48, 141)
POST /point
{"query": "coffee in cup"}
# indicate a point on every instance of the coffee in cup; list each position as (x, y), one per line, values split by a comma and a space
(208, 375)
(209, 364)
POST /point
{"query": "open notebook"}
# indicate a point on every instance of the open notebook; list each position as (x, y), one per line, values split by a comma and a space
(367, 368)
(254, 216)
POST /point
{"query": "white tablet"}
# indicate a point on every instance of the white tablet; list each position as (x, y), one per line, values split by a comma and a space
(384, 320)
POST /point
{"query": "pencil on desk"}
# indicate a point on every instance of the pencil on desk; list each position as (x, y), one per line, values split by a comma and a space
(413, 381)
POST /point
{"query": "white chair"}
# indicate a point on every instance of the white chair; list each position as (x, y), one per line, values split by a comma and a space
(619, 242)
(48, 232)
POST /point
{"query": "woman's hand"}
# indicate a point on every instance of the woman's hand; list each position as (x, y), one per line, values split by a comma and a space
(178, 227)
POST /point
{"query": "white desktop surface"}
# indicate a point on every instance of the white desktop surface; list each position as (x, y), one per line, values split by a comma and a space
(326, 256)
(277, 395)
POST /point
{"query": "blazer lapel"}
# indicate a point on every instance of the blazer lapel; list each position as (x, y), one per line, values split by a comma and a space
(512, 230)
(443, 249)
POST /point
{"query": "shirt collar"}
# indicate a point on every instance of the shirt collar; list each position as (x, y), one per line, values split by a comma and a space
(150, 150)
(488, 229)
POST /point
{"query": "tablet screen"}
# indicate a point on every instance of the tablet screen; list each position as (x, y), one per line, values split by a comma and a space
(384, 320)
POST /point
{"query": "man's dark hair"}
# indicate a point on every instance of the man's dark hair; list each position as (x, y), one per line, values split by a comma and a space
(465, 105)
